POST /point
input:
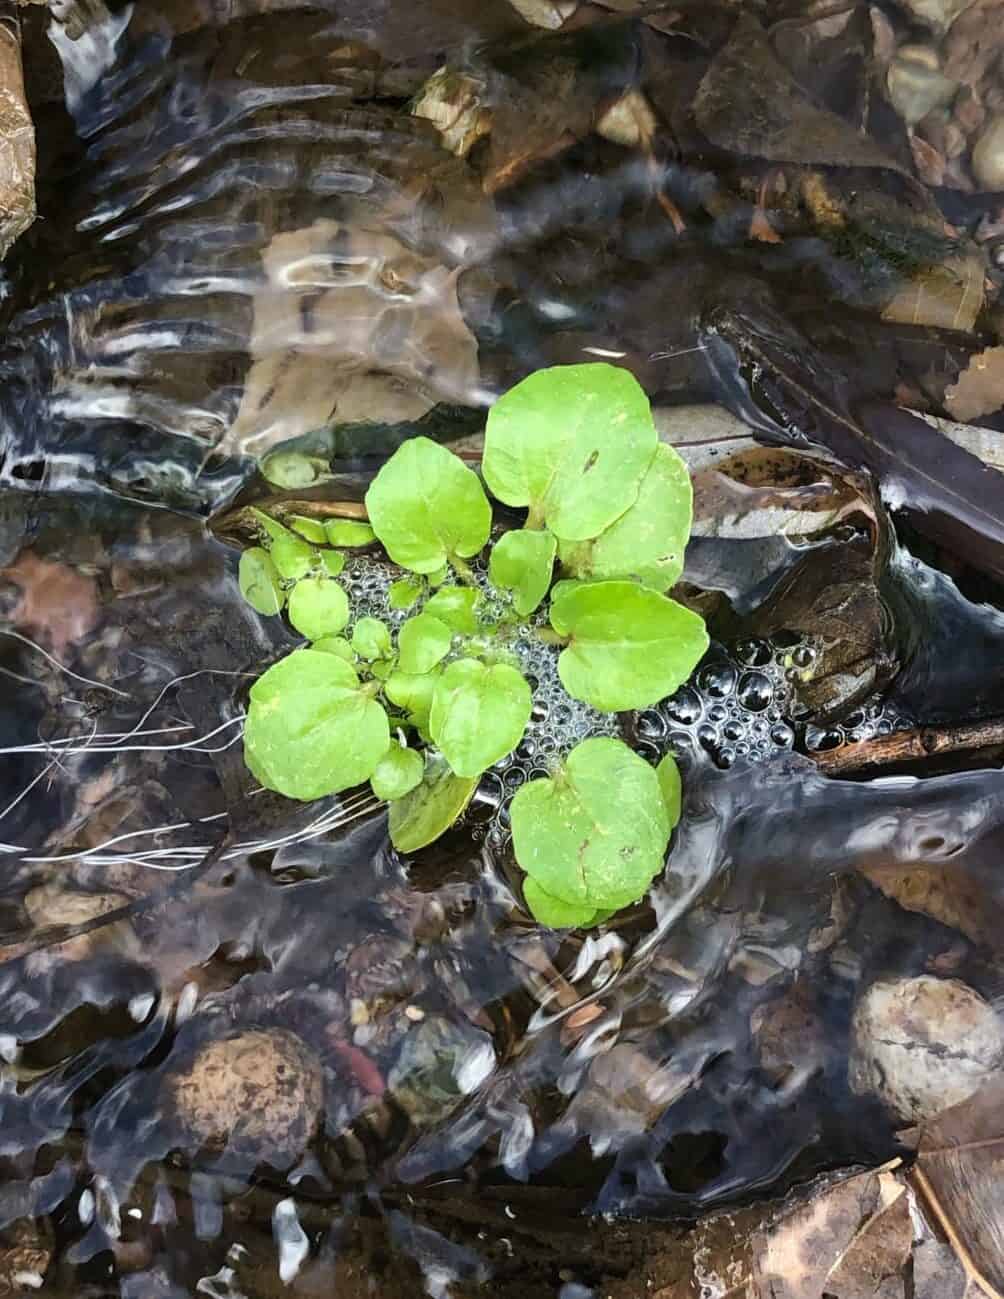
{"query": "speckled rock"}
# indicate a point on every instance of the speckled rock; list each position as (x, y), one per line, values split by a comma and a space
(988, 154)
(923, 1044)
(258, 1095)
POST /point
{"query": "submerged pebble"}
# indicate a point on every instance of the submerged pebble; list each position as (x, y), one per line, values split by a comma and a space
(923, 1044)
(988, 154)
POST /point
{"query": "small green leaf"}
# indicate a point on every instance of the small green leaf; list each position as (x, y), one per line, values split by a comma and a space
(573, 443)
(595, 833)
(312, 529)
(403, 593)
(629, 646)
(521, 562)
(371, 638)
(478, 714)
(647, 542)
(438, 576)
(382, 668)
(555, 912)
(672, 788)
(425, 505)
(422, 642)
(397, 773)
(559, 593)
(332, 561)
(311, 728)
(432, 806)
(259, 582)
(292, 469)
(337, 645)
(456, 606)
(413, 692)
(348, 532)
(318, 607)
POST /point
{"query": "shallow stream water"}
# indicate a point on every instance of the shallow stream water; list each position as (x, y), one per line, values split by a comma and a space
(245, 236)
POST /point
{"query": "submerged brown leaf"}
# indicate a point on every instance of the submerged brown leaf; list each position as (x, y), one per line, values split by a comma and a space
(948, 296)
(980, 387)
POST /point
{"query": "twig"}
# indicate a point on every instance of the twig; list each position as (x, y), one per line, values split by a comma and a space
(914, 745)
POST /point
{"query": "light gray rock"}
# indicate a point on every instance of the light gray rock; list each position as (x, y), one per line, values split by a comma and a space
(988, 154)
(923, 1044)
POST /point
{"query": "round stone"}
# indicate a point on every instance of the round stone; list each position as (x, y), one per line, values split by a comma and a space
(988, 154)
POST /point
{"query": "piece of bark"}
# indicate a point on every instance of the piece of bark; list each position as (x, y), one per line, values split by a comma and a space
(17, 137)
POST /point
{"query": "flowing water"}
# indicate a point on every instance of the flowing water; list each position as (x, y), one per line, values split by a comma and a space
(246, 237)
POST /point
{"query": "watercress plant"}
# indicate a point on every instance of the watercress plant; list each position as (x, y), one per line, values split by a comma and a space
(422, 712)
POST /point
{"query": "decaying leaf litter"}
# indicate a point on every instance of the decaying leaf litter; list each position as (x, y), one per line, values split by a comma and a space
(300, 1061)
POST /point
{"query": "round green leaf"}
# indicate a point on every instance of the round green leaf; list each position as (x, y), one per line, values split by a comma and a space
(555, 912)
(427, 506)
(431, 807)
(337, 645)
(422, 642)
(521, 562)
(397, 773)
(311, 728)
(318, 607)
(371, 638)
(572, 443)
(403, 593)
(292, 556)
(312, 529)
(438, 576)
(348, 532)
(292, 469)
(629, 646)
(332, 561)
(259, 582)
(478, 714)
(413, 692)
(647, 542)
(595, 833)
(456, 606)
(672, 788)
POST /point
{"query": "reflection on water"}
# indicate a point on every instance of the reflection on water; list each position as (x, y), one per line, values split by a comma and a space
(261, 1025)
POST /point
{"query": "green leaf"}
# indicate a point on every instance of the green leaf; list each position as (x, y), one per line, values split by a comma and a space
(456, 606)
(431, 807)
(521, 562)
(672, 788)
(438, 576)
(629, 646)
(427, 506)
(572, 443)
(371, 638)
(403, 593)
(312, 529)
(413, 692)
(311, 728)
(318, 607)
(381, 669)
(559, 592)
(292, 469)
(595, 833)
(555, 912)
(478, 714)
(332, 561)
(397, 773)
(293, 557)
(647, 542)
(259, 582)
(422, 642)
(335, 645)
(348, 532)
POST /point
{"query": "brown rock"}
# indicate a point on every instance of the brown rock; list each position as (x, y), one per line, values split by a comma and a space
(259, 1094)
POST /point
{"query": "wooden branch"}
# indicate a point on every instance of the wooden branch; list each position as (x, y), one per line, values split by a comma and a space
(910, 746)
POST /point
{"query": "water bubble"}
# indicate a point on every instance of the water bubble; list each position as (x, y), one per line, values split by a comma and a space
(802, 656)
(753, 653)
(717, 713)
(707, 735)
(724, 758)
(685, 706)
(733, 731)
(717, 679)
(756, 691)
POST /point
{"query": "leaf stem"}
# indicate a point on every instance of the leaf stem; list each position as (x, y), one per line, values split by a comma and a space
(463, 570)
(550, 637)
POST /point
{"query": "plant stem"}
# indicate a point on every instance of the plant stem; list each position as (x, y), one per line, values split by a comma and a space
(463, 570)
(551, 637)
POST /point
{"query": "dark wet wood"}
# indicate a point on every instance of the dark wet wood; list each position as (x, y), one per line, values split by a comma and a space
(915, 745)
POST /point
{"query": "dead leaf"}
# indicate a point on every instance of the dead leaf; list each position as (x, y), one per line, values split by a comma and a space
(980, 387)
(959, 1176)
(750, 104)
(58, 605)
(351, 324)
(948, 296)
